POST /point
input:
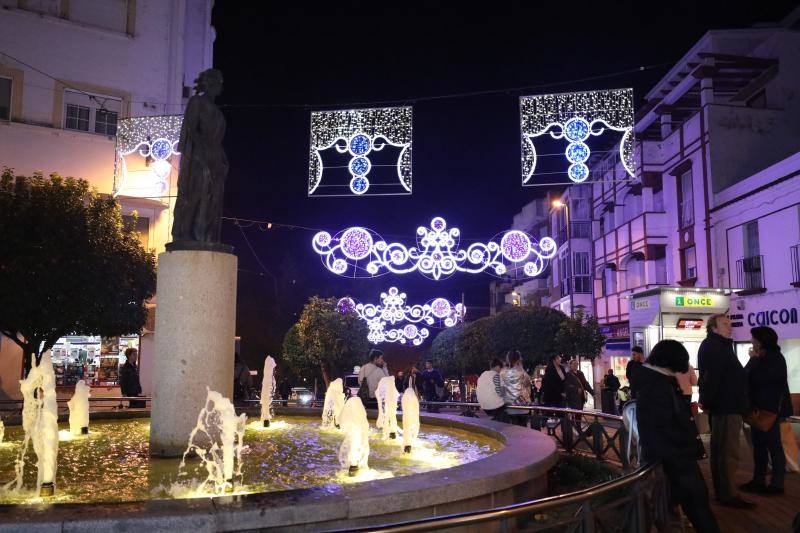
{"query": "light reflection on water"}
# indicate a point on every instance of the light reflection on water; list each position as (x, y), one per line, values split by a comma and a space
(112, 462)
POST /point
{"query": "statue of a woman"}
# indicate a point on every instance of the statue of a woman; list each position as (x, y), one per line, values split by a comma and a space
(203, 169)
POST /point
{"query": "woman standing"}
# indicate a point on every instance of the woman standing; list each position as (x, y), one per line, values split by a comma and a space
(516, 385)
(553, 394)
(768, 390)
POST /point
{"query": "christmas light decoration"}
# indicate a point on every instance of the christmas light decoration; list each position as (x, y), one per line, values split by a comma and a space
(393, 311)
(359, 133)
(576, 117)
(156, 140)
(360, 252)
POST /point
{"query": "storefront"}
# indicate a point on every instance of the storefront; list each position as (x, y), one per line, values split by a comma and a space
(94, 359)
(617, 350)
(779, 310)
(675, 313)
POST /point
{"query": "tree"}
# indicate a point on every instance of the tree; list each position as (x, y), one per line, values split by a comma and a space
(326, 340)
(530, 329)
(69, 265)
(580, 336)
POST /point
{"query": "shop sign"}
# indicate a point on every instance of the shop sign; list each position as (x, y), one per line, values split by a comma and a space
(769, 317)
(779, 311)
(641, 304)
(694, 301)
(616, 331)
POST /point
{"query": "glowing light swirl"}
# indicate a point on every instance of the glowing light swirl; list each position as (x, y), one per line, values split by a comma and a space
(393, 311)
(360, 252)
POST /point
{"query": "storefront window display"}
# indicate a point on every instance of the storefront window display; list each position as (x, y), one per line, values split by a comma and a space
(93, 359)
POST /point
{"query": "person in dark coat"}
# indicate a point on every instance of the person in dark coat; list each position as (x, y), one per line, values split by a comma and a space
(667, 432)
(723, 395)
(611, 386)
(637, 359)
(768, 390)
(129, 384)
(553, 393)
(573, 388)
(432, 381)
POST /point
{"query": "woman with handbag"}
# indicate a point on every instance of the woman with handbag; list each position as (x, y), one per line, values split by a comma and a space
(768, 390)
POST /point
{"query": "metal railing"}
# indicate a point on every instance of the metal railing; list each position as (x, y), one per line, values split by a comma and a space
(750, 272)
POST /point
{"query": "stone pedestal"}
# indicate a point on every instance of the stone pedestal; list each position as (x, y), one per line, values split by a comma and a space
(194, 342)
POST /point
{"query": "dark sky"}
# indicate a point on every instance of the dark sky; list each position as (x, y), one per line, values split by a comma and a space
(466, 155)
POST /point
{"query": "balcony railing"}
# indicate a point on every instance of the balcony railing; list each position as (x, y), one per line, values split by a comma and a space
(750, 272)
(794, 253)
(582, 284)
(578, 230)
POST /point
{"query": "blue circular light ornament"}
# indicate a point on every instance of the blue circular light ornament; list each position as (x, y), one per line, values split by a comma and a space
(578, 172)
(359, 185)
(161, 149)
(576, 129)
(359, 166)
(577, 153)
(360, 144)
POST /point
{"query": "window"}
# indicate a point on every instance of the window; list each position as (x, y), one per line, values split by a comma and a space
(579, 209)
(580, 263)
(142, 227)
(108, 14)
(631, 206)
(609, 279)
(91, 112)
(45, 7)
(5, 99)
(77, 118)
(689, 263)
(634, 272)
(686, 206)
(750, 234)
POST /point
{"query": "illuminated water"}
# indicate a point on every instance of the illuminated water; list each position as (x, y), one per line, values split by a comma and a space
(112, 462)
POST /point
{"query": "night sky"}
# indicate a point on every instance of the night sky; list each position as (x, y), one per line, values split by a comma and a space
(281, 61)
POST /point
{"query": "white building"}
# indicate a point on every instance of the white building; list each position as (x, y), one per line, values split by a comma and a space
(723, 112)
(71, 73)
(756, 236)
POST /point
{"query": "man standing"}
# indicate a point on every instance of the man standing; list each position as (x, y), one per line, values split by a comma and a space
(636, 362)
(129, 378)
(723, 395)
(373, 372)
(431, 381)
(611, 387)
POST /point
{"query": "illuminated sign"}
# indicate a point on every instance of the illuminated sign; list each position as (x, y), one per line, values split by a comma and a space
(641, 304)
(689, 323)
(694, 301)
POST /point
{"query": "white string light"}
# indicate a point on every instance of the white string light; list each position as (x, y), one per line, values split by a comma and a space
(575, 117)
(151, 137)
(359, 133)
(360, 252)
(393, 311)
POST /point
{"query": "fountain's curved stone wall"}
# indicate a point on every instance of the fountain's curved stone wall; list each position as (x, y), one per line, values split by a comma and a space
(518, 471)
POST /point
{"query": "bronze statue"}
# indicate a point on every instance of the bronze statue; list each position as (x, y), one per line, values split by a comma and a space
(203, 169)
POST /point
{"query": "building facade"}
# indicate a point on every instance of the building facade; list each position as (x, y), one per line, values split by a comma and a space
(95, 90)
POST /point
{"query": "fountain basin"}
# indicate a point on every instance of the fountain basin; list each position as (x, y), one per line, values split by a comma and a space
(515, 466)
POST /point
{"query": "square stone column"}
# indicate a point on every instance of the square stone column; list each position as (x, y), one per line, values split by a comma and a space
(194, 342)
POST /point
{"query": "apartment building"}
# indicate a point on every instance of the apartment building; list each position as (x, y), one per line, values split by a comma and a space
(95, 90)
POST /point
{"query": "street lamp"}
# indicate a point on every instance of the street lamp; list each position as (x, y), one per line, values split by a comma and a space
(558, 204)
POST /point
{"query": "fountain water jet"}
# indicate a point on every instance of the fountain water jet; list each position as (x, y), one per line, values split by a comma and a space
(40, 424)
(224, 432)
(410, 405)
(2, 431)
(79, 409)
(354, 451)
(387, 396)
(334, 403)
(267, 390)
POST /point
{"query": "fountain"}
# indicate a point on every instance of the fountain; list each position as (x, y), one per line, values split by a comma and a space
(354, 451)
(223, 432)
(79, 409)
(267, 390)
(334, 402)
(387, 396)
(2, 431)
(410, 405)
(40, 423)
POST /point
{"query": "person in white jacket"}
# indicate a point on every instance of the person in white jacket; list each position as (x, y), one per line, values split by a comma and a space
(490, 390)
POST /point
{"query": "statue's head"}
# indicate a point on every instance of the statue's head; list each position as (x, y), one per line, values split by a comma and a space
(209, 82)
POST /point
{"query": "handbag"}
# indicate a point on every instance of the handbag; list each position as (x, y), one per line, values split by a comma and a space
(761, 419)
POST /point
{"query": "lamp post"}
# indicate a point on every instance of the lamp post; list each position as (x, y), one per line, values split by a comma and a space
(558, 204)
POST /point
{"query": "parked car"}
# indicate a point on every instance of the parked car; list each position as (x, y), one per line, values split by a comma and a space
(351, 385)
(302, 395)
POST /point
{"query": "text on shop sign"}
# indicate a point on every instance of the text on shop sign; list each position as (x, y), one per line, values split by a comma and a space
(773, 317)
(694, 301)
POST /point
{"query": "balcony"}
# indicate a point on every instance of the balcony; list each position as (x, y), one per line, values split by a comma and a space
(582, 284)
(794, 253)
(578, 230)
(750, 274)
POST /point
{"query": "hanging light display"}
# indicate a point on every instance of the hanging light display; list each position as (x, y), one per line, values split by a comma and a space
(393, 320)
(155, 139)
(359, 135)
(360, 252)
(575, 118)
